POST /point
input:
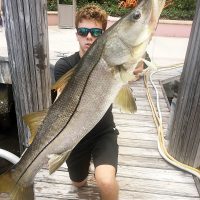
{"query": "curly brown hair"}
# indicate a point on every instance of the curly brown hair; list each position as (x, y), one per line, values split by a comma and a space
(92, 11)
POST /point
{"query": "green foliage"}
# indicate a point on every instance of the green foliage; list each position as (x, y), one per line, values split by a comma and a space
(52, 5)
(177, 14)
(178, 10)
(68, 2)
(184, 4)
(81, 3)
(110, 6)
(113, 8)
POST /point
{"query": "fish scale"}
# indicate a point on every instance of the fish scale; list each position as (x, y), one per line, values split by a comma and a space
(53, 125)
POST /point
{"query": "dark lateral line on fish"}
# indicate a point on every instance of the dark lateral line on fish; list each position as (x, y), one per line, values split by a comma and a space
(63, 127)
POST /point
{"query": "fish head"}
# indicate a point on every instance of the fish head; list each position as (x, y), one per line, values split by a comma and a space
(140, 23)
(128, 39)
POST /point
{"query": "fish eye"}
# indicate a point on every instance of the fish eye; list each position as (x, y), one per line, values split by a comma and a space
(136, 15)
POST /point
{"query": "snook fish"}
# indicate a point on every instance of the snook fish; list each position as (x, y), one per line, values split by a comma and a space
(95, 82)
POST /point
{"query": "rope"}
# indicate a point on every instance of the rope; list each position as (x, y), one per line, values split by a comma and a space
(157, 116)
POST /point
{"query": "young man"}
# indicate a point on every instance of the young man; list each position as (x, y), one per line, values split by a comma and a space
(100, 144)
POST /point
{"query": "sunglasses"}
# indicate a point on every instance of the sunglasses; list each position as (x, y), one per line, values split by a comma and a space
(95, 32)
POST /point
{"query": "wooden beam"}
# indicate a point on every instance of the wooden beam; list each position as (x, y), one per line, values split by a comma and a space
(27, 39)
(185, 136)
(4, 71)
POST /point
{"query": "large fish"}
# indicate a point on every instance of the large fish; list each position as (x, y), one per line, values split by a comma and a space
(93, 87)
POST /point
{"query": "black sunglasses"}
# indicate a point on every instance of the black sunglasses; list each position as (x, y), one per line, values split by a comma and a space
(95, 32)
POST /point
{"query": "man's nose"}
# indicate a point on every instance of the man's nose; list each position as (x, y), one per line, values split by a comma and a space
(89, 35)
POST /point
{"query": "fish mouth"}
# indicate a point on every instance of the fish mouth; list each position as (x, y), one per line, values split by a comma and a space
(157, 7)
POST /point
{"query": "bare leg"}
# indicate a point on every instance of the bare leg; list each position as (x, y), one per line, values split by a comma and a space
(106, 181)
(80, 184)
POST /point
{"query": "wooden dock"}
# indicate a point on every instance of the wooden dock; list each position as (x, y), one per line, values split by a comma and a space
(142, 173)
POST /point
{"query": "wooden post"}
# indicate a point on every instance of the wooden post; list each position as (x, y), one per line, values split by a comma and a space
(27, 39)
(184, 142)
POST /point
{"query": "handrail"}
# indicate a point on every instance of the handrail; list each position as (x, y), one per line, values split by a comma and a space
(9, 156)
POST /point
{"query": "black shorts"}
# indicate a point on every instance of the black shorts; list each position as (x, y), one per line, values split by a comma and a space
(101, 147)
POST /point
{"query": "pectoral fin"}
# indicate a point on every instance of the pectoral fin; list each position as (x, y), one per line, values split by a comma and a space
(125, 100)
(33, 121)
(56, 160)
(63, 81)
(126, 77)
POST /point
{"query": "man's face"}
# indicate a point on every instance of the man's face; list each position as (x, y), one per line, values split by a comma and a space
(86, 41)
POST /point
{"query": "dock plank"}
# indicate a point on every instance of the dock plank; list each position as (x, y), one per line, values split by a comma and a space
(142, 172)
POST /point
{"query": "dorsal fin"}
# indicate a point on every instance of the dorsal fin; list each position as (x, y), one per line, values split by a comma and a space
(33, 121)
(125, 100)
(63, 80)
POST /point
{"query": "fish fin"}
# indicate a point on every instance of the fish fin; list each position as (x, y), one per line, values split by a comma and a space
(126, 77)
(16, 192)
(125, 100)
(33, 121)
(63, 80)
(6, 182)
(56, 160)
(22, 193)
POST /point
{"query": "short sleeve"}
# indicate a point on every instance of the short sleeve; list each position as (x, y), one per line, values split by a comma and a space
(61, 67)
(64, 64)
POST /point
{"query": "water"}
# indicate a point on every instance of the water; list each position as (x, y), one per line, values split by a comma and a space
(8, 125)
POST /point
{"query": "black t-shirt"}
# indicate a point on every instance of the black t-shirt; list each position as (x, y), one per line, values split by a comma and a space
(65, 64)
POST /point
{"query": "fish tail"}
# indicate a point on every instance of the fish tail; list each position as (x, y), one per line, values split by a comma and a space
(6, 183)
(15, 191)
(22, 193)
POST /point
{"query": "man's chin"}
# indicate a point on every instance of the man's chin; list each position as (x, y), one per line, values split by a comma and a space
(86, 48)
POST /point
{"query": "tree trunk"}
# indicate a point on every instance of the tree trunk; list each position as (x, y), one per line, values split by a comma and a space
(185, 136)
(27, 40)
